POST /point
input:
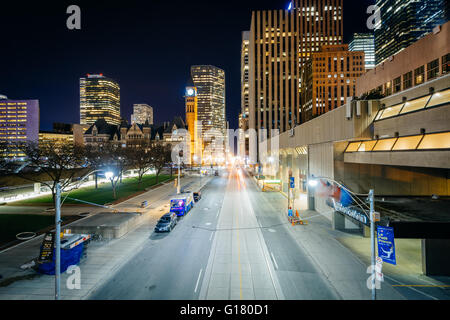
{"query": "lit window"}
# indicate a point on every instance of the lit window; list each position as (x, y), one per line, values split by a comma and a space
(416, 104)
(391, 111)
(407, 143)
(353, 147)
(384, 145)
(436, 141)
(439, 98)
(367, 146)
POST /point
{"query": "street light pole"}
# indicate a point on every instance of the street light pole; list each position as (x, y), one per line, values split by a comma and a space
(372, 240)
(180, 154)
(372, 228)
(58, 242)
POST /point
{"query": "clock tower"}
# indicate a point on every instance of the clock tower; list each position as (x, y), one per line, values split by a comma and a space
(191, 101)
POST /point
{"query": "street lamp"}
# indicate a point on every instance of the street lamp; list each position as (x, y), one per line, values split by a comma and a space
(313, 182)
(109, 175)
(180, 155)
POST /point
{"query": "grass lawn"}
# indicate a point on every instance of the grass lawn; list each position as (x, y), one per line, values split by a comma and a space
(12, 224)
(103, 194)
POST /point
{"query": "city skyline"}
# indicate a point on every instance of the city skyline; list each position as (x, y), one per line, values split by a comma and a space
(298, 164)
(142, 79)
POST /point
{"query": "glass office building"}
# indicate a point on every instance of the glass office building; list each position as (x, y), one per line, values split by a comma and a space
(99, 99)
(364, 42)
(142, 113)
(210, 83)
(19, 122)
(404, 22)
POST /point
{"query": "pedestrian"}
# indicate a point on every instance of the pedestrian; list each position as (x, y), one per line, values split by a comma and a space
(290, 213)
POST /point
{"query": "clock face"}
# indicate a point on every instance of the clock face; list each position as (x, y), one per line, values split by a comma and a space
(190, 92)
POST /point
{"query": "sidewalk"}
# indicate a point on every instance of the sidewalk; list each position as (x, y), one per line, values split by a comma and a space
(340, 266)
(103, 258)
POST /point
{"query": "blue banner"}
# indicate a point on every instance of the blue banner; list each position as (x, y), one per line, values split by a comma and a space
(386, 245)
(292, 182)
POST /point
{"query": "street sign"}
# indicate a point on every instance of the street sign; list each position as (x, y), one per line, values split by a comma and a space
(378, 269)
(376, 216)
(386, 245)
(47, 247)
(292, 182)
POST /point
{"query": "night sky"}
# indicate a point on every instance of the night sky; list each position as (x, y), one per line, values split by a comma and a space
(147, 46)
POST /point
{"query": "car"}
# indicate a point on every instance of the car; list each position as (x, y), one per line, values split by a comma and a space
(167, 222)
(144, 204)
(197, 196)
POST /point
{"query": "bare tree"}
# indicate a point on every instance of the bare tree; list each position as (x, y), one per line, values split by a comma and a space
(160, 156)
(3, 157)
(114, 160)
(141, 160)
(49, 163)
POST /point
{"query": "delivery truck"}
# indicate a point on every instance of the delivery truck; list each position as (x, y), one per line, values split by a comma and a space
(182, 203)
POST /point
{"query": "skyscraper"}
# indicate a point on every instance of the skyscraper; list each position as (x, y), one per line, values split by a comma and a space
(142, 113)
(99, 98)
(244, 114)
(19, 122)
(364, 42)
(405, 22)
(191, 101)
(329, 78)
(210, 83)
(281, 41)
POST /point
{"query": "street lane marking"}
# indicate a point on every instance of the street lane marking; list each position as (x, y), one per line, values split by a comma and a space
(421, 285)
(274, 261)
(198, 280)
(278, 291)
(412, 288)
(239, 245)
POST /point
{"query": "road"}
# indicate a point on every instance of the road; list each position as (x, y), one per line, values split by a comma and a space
(230, 246)
(169, 265)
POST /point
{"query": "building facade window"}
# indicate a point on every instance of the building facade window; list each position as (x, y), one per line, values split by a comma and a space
(433, 69)
(407, 80)
(397, 84)
(446, 63)
(419, 75)
(388, 90)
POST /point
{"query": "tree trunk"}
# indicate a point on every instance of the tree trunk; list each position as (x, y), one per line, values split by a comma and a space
(140, 180)
(96, 183)
(54, 198)
(113, 188)
(157, 175)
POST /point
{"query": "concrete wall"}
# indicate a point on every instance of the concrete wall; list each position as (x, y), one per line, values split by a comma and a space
(420, 53)
(425, 159)
(395, 181)
(321, 164)
(432, 120)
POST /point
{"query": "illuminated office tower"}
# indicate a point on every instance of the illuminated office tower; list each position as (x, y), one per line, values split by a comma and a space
(243, 116)
(364, 42)
(142, 113)
(281, 41)
(210, 83)
(329, 78)
(19, 122)
(404, 22)
(191, 100)
(99, 99)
